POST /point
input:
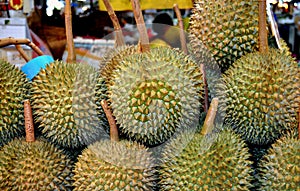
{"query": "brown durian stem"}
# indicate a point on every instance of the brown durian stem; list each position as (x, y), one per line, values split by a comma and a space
(202, 68)
(29, 128)
(299, 123)
(118, 31)
(18, 42)
(22, 52)
(35, 48)
(138, 15)
(114, 135)
(182, 35)
(263, 34)
(10, 40)
(210, 117)
(71, 58)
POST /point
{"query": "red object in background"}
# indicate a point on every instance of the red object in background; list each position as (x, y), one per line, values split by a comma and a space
(16, 4)
(40, 43)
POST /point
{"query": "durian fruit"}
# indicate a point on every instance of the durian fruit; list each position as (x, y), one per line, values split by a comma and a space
(64, 105)
(112, 165)
(112, 60)
(279, 169)
(34, 165)
(14, 88)
(228, 28)
(213, 161)
(150, 91)
(155, 93)
(260, 96)
(203, 56)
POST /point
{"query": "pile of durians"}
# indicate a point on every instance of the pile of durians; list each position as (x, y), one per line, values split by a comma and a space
(157, 100)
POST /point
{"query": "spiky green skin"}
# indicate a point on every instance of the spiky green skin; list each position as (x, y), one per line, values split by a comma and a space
(112, 60)
(229, 29)
(153, 95)
(260, 96)
(14, 88)
(204, 57)
(34, 166)
(63, 102)
(108, 65)
(196, 162)
(101, 94)
(110, 165)
(279, 169)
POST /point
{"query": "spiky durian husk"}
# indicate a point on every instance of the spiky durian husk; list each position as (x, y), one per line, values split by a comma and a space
(279, 169)
(229, 29)
(260, 96)
(108, 65)
(34, 166)
(203, 56)
(155, 93)
(112, 59)
(14, 88)
(197, 162)
(101, 94)
(284, 48)
(63, 102)
(111, 165)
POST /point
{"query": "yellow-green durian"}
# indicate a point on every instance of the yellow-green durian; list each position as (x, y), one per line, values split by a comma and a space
(279, 169)
(260, 96)
(64, 105)
(110, 165)
(34, 165)
(192, 161)
(204, 57)
(112, 60)
(14, 89)
(228, 28)
(155, 93)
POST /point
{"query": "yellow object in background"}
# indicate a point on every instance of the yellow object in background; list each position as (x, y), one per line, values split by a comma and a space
(125, 5)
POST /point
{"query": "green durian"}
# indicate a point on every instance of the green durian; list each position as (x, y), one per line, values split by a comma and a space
(112, 165)
(218, 161)
(228, 28)
(112, 60)
(203, 56)
(34, 165)
(279, 169)
(14, 89)
(155, 93)
(260, 96)
(64, 104)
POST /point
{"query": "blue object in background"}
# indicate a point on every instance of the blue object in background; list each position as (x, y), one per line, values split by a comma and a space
(33, 67)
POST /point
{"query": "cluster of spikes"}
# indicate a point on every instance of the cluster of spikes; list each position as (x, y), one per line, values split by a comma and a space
(152, 96)
(156, 98)
(14, 88)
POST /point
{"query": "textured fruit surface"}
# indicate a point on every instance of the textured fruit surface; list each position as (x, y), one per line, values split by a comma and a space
(204, 57)
(261, 96)
(196, 162)
(229, 29)
(155, 93)
(63, 102)
(14, 89)
(110, 165)
(112, 60)
(34, 166)
(280, 168)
